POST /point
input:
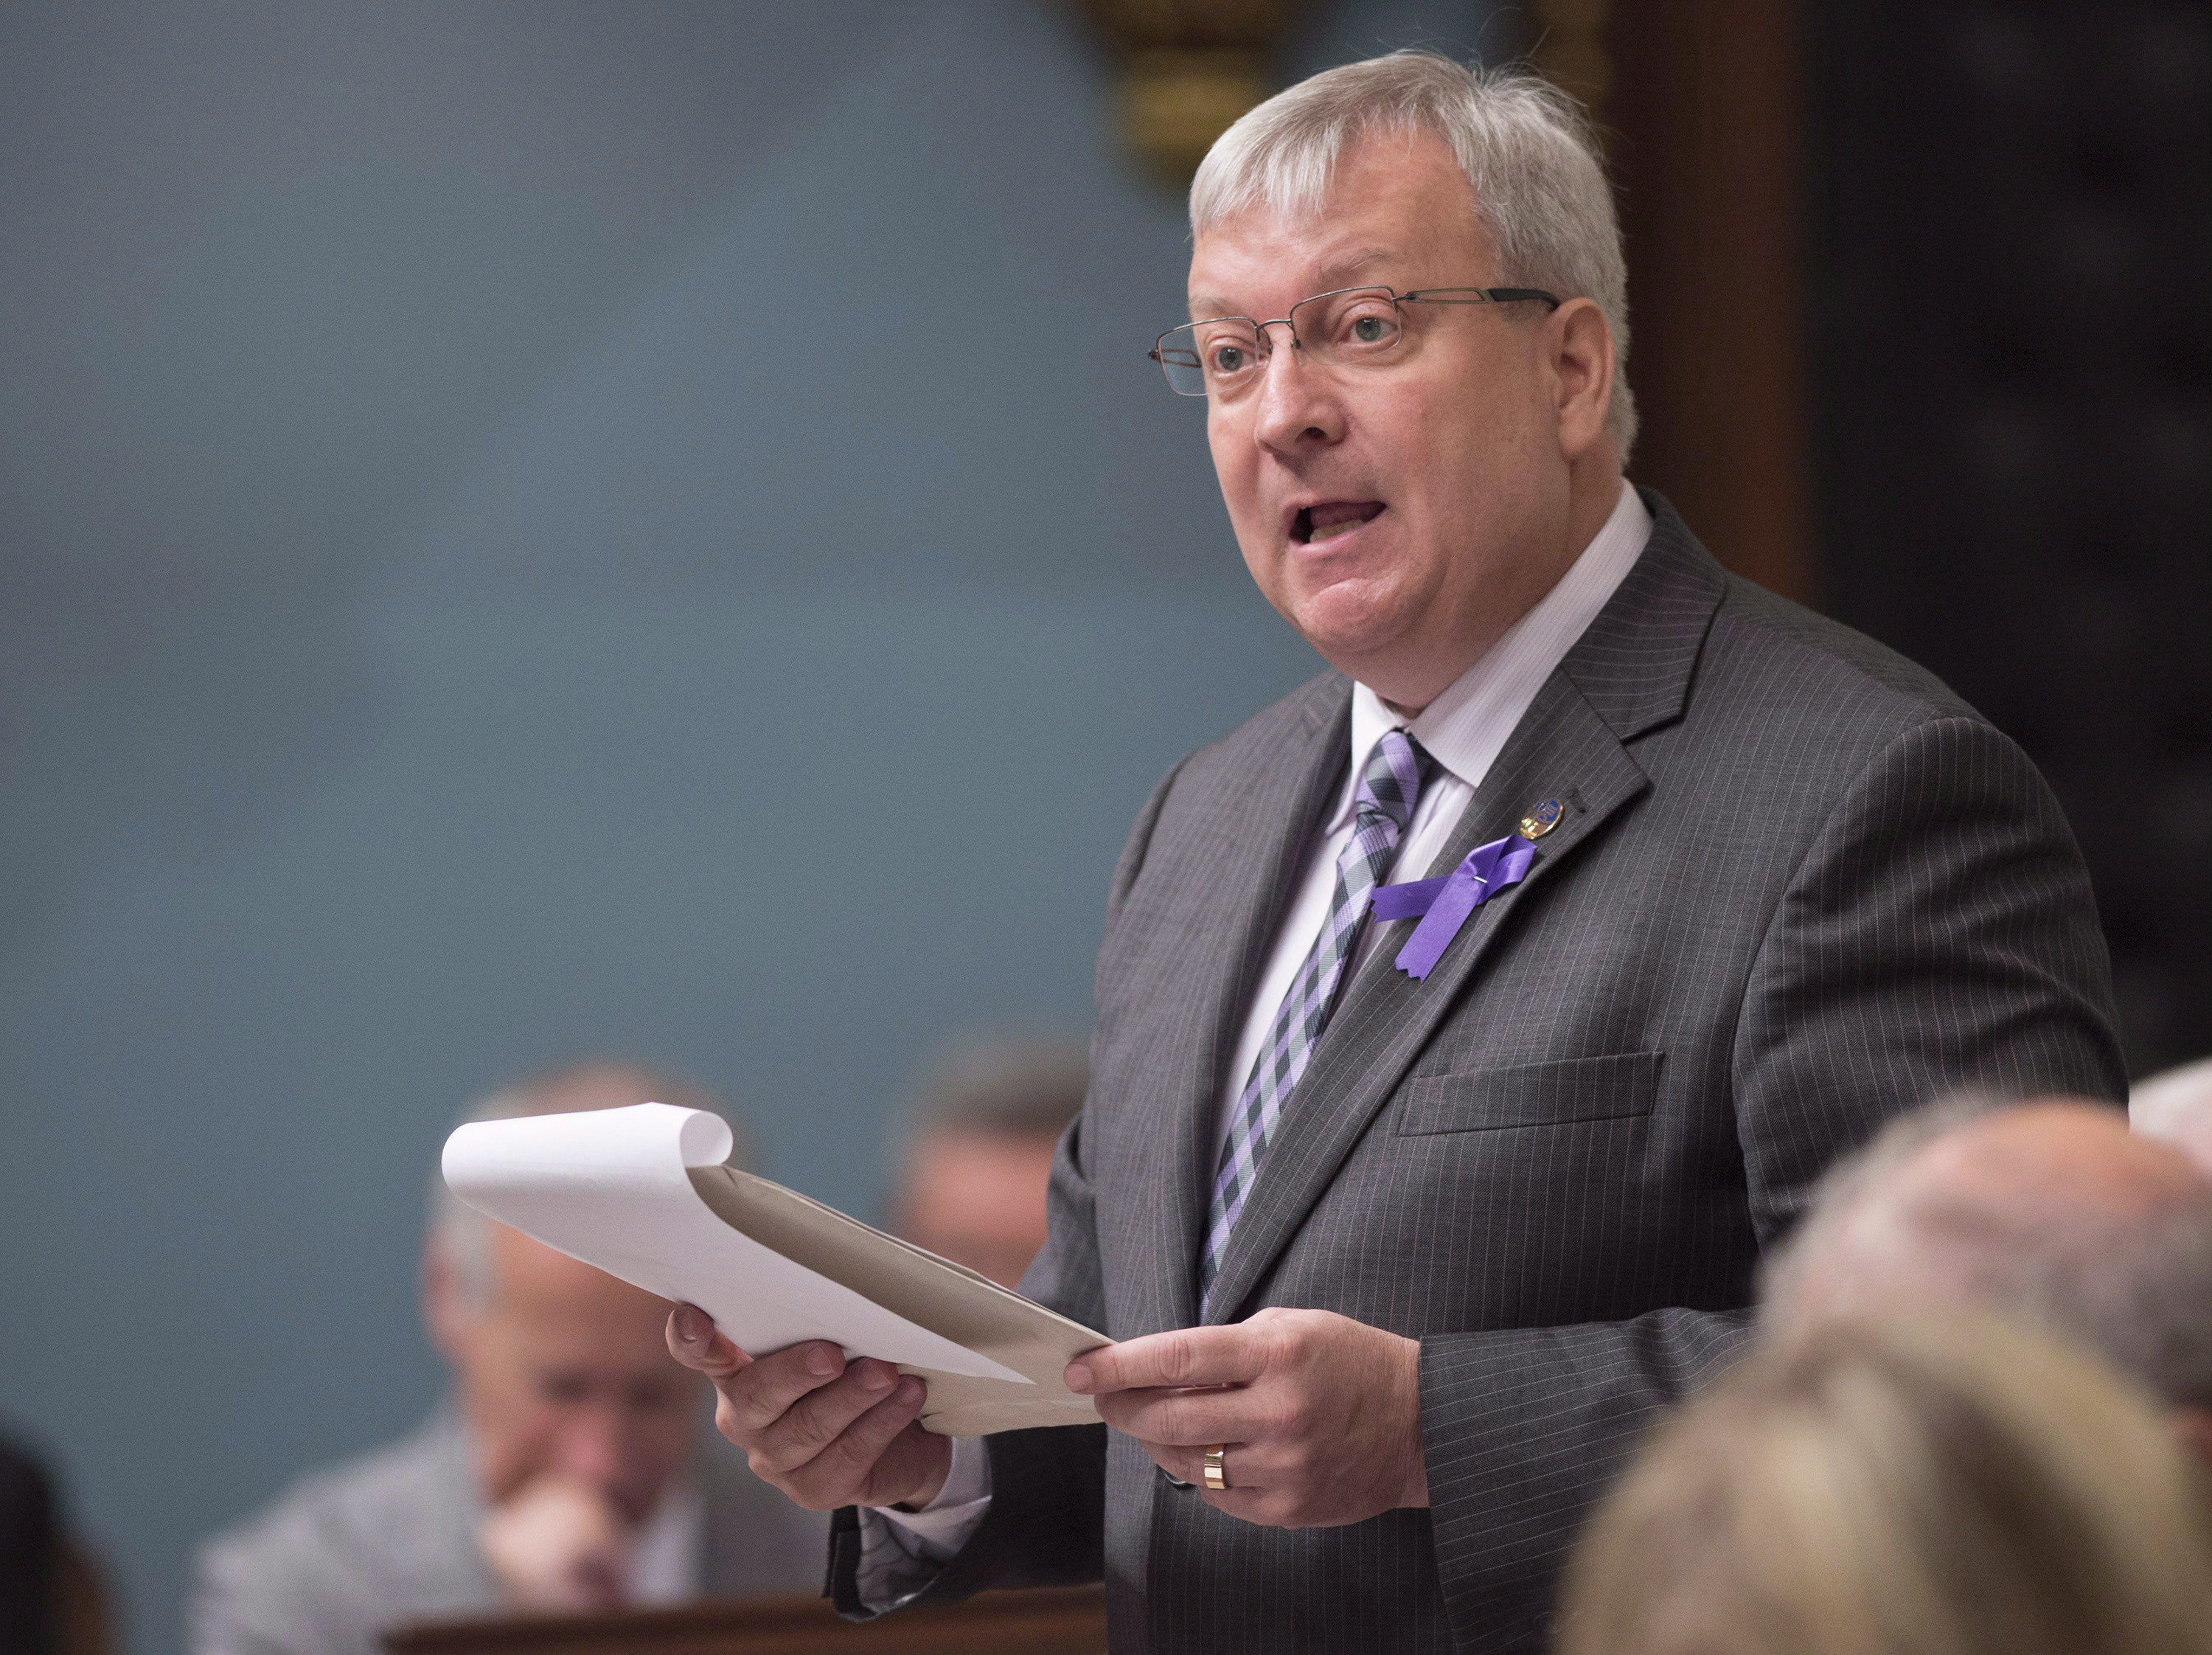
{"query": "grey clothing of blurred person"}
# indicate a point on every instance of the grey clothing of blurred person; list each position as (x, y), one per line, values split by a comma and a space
(388, 1539)
(573, 1471)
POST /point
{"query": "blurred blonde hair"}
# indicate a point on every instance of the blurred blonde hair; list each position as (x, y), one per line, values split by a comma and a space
(1915, 1486)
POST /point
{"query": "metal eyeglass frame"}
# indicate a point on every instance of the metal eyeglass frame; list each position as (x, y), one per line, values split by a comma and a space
(1414, 296)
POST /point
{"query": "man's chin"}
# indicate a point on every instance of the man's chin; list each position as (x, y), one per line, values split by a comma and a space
(1350, 626)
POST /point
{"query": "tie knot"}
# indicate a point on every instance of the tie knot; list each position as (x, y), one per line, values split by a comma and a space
(1390, 785)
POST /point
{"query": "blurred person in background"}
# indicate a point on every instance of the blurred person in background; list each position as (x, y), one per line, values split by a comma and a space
(30, 1556)
(571, 1471)
(972, 1187)
(53, 1595)
(2176, 1107)
(2051, 1211)
(1927, 1485)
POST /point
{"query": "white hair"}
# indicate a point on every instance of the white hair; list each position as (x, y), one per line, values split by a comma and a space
(1527, 148)
(2176, 1106)
(2133, 1284)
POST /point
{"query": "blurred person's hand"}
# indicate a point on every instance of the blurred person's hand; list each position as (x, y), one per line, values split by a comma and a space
(558, 1543)
(826, 1432)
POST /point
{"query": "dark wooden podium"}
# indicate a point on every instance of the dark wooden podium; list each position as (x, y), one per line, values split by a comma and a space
(1053, 1622)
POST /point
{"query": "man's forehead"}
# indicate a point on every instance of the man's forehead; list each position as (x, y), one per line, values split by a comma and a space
(537, 1279)
(1347, 267)
(1396, 210)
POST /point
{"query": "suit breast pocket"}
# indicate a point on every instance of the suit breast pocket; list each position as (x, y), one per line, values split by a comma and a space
(1620, 1086)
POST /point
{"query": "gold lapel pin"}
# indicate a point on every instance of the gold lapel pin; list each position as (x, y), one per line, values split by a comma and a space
(1541, 818)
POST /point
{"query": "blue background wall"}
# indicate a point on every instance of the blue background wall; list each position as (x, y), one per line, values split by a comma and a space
(532, 531)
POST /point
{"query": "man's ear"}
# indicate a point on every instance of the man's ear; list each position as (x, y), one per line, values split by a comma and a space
(1581, 342)
(449, 1311)
(2194, 1426)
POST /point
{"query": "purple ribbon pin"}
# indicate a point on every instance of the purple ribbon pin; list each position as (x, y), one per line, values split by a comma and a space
(1443, 904)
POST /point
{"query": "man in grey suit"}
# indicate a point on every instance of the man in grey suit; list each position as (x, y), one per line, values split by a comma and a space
(568, 1474)
(1406, 1211)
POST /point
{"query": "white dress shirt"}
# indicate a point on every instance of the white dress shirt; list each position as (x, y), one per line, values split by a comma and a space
(664, 1558)
(1463, 729)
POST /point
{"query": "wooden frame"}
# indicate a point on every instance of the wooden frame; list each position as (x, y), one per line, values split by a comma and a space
(1701, 106)
(1071, 1622)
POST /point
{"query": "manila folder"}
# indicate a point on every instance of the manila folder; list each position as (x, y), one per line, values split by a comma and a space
(644, 1194)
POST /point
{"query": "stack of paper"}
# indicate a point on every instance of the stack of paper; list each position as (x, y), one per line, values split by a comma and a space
(643, 1194)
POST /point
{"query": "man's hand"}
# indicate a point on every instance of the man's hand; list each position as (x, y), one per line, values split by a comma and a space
(558, 1544)
(1320, 1414)
(826, 1433)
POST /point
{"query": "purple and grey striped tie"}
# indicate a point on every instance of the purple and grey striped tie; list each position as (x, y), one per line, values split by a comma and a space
(1390, 787)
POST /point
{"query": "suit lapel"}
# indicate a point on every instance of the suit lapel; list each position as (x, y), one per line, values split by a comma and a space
(1561, 750)
(1629, 672)
(1242, 909)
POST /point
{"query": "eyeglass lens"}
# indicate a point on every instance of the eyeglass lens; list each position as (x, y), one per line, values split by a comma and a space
(1219, 358)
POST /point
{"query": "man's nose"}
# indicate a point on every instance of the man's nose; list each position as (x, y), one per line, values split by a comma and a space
(1299, 401)
(597, 1446)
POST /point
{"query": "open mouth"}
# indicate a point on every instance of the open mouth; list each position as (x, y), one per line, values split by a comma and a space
(1326, 520)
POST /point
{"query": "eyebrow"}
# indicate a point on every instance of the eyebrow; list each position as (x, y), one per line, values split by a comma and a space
(1352, 263)
(1332, 276)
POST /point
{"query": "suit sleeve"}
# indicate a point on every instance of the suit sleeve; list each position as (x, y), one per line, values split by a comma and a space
(1046, 1522)
(1045, 1525)
(1939, 931)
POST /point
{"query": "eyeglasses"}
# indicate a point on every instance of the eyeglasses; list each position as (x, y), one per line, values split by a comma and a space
(1350, 327)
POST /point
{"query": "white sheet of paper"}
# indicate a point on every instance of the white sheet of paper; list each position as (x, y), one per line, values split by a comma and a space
(613, 1187)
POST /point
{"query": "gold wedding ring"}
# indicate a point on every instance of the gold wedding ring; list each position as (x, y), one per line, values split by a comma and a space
(1217, 1474)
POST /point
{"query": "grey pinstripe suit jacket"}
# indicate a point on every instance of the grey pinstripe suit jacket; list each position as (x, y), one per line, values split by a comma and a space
(1799, 887)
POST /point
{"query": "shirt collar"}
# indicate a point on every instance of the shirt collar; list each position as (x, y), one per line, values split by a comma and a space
(1464, 729)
